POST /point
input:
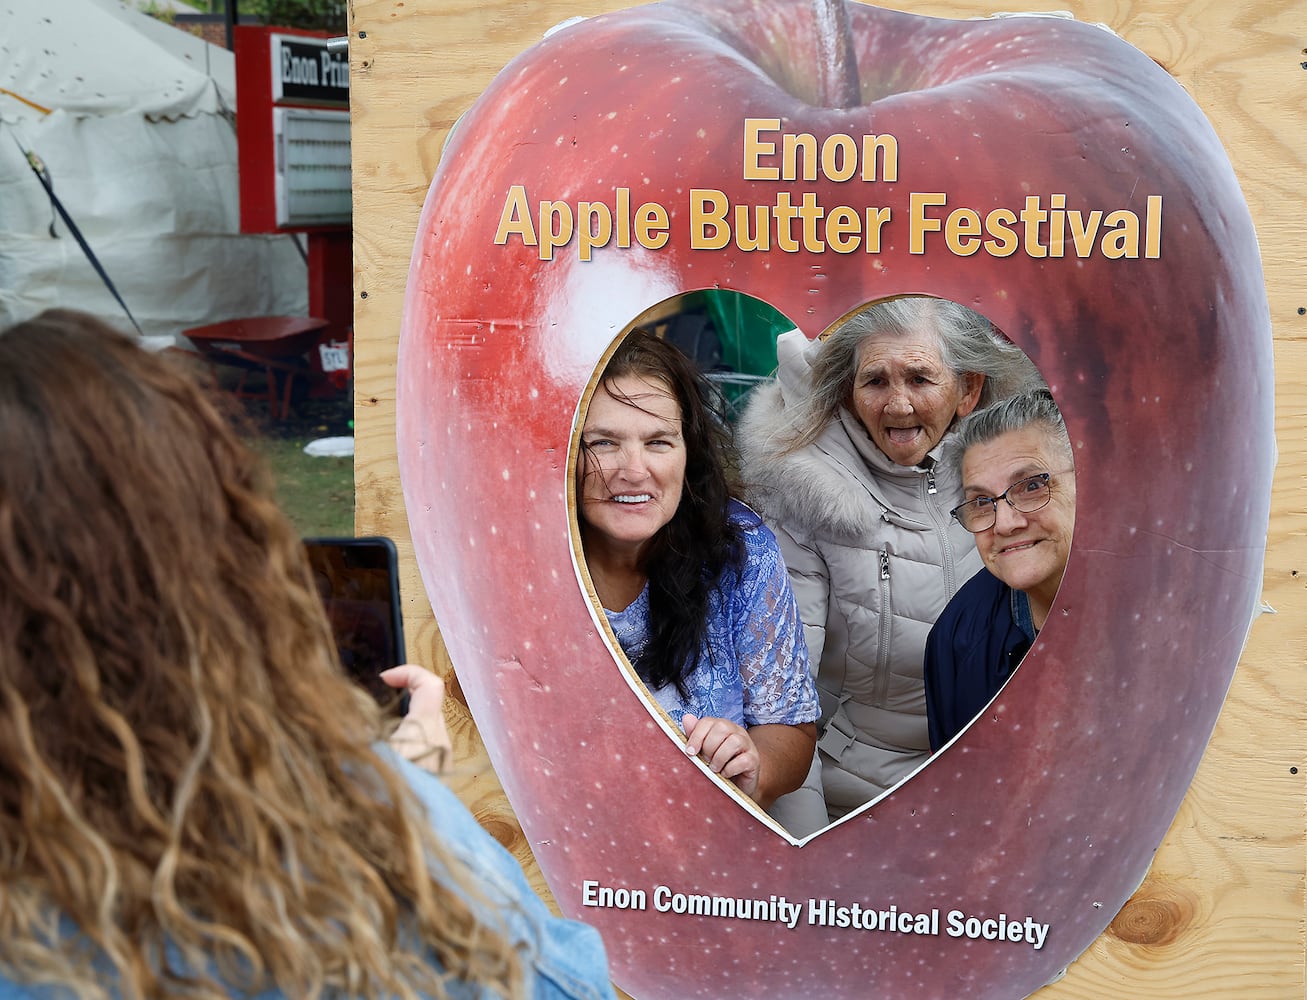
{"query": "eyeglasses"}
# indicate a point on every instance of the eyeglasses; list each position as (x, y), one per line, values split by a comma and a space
(1025, 495)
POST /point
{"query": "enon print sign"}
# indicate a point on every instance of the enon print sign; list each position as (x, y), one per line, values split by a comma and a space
(820, 163)
(305, 71)
(293, 131)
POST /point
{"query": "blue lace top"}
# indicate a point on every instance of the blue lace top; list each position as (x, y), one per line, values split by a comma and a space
(753, 669)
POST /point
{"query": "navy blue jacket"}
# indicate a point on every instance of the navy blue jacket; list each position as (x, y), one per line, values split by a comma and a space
(974, 647)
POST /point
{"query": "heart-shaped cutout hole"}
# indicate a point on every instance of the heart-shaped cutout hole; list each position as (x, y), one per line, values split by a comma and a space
(629, 482)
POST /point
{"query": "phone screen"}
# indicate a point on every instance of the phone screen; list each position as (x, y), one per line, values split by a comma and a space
(358, 579)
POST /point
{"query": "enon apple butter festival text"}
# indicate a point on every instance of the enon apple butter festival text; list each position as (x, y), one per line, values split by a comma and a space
(1041, 225)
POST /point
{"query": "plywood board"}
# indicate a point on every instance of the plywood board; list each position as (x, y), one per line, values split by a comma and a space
(1222, 913)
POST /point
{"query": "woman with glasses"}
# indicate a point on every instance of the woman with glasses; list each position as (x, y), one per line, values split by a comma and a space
(1020, 491)
(844, 455)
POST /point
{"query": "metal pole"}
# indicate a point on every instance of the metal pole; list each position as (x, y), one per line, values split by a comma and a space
(230, 15)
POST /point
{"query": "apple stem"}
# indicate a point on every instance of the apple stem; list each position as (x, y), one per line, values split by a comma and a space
(837, 64)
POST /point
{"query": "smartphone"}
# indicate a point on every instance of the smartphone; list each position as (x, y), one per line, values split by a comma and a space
(358, 580)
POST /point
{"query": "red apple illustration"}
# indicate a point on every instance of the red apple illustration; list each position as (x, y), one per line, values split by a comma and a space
(1037, 169)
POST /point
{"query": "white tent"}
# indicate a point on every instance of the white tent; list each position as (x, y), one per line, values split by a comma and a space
(191, 51)
(133, 119)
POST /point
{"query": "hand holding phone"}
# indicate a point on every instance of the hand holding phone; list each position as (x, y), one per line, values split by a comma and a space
(421, 737)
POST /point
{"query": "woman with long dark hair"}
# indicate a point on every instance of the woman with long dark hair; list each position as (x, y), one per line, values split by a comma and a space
(194, 799)
(691, 581)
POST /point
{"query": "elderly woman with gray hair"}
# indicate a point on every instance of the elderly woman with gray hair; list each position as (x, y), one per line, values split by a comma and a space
(1019, 489)
(844, 454)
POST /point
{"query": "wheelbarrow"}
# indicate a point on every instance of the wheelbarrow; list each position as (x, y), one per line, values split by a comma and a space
(275, 345)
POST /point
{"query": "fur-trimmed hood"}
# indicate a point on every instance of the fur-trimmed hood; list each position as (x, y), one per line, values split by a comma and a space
(840, 486)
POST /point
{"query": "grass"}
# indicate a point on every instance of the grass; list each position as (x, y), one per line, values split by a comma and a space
(316, 493)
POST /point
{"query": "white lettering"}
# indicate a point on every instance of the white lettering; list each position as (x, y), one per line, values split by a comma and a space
(997, 929)
(335, 72)
(297, 70)
(619, 898)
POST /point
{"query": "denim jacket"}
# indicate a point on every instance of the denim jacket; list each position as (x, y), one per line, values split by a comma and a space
(562, 959)
(567, 959)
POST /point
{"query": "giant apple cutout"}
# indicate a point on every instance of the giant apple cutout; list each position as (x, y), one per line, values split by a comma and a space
(1040, 170)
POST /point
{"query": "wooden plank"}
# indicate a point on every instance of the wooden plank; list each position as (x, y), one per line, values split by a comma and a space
(1222, 913)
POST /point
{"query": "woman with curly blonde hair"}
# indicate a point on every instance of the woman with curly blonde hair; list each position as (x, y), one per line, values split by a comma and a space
(194, 800)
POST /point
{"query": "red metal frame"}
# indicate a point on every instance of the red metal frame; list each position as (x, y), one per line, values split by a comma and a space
(274, 344)
(330, 260)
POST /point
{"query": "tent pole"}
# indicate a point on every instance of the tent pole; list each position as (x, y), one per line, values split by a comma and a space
(230, 16)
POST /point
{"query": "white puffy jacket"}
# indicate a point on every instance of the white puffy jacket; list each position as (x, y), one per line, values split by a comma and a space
(873, 557)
